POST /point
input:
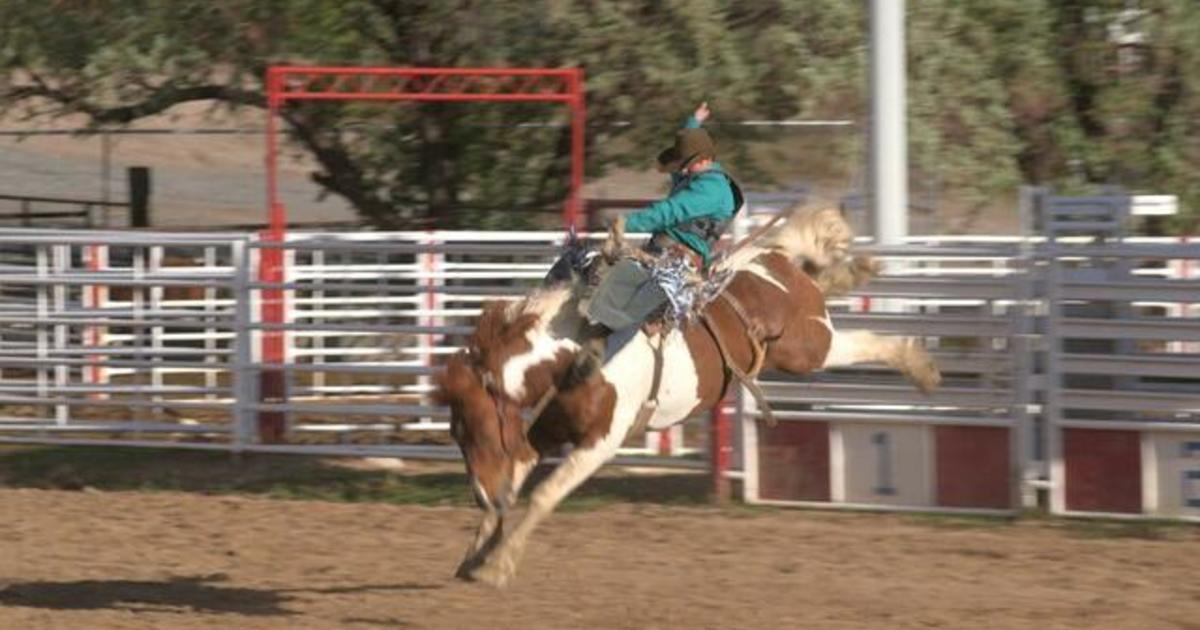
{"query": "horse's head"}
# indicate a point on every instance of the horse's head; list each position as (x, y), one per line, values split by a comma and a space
(509, 364)
(487, 426)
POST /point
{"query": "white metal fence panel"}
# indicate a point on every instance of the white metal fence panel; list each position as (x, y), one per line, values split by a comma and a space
(155, 338)
(115, 337)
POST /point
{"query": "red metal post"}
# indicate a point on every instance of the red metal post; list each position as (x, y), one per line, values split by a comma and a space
(275, 210)
(272, 425)
(574, 210)
(722, 451)
(96, 297)
(664, 442)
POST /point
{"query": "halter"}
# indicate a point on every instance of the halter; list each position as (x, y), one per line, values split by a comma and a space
(500, 400)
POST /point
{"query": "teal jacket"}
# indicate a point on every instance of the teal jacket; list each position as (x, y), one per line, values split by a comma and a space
(706, 194)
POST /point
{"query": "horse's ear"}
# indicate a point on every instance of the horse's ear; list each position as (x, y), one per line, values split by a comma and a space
(439, 396)
(493, 308)
(452, 379)
(441, 387)
(489, 328)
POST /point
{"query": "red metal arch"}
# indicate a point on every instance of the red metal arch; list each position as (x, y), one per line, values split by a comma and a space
(288, 83)
(297, 83)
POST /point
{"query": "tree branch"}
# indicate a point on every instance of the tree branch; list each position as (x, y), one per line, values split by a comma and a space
(156, 103)
(341, 174)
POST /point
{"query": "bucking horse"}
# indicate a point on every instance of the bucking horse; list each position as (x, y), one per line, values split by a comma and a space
(524, 358)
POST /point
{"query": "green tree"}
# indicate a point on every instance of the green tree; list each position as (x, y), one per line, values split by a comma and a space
(648, 62)
(1133, 75)
(1001, 91)
(961, 128)
(1071, 93)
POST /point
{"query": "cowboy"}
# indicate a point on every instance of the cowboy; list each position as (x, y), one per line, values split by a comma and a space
(688, 222)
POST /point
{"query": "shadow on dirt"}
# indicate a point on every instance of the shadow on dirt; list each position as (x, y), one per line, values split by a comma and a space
(299, 477)
(197, 594)
(178, 594)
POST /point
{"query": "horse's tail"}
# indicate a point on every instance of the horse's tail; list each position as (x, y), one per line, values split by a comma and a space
(819, 239)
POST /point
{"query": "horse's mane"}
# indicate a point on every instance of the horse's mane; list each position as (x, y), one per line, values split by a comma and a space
(496, 324)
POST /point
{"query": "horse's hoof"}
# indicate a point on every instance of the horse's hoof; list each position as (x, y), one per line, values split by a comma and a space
(922, 369)
(464, 570)
(927, 376)
(497, 574)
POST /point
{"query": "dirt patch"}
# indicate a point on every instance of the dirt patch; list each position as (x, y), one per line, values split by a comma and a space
(174, 560)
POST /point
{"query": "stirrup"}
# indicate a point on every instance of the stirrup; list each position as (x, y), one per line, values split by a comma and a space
(654, 327)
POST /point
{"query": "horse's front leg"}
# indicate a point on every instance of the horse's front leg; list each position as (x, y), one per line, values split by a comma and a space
(491, 529)
(491, 526)
(501, 564)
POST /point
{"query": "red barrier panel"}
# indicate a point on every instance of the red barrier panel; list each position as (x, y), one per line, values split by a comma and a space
(974, 467)
(793, 461)
(1103, 470)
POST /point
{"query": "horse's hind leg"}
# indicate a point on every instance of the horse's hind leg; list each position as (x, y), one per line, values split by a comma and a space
(902, 353)
(501, 565)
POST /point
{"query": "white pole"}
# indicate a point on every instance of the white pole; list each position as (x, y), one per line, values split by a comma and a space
(106, 174)
(889, 138)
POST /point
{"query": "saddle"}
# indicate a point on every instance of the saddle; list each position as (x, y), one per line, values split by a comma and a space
(621, 286)
(656, 287)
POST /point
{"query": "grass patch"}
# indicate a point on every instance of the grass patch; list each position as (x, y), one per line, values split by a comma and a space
(958, 521)
(282, 476)
(302, 477)
(1149, 529)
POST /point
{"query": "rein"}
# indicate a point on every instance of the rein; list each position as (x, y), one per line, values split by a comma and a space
(501, 400)
(542, 402)
(753, 236)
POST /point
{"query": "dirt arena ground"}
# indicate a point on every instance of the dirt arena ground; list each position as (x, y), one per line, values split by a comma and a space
(100, 559)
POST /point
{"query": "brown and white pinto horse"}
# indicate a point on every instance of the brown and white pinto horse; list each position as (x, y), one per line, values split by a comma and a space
(522, 355)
